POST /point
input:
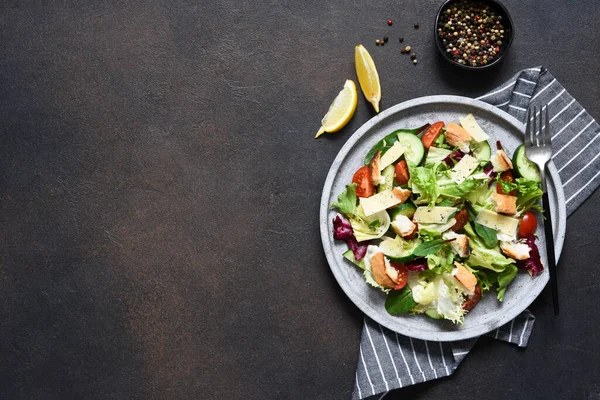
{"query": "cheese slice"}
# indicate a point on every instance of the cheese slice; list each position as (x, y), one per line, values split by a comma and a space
(391, 155)
(464, 168)
(501, 223)
(379, 202)
(433, 215)
(473, 128)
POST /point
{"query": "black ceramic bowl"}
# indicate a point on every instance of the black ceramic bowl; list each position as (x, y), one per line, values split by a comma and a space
(506, 22)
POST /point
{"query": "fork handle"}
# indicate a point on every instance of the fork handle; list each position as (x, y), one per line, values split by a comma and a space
(550, 251)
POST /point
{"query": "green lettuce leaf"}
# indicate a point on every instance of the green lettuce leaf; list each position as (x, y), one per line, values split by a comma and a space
(479, 197)
(504, 279)
(459, 189)
(435, 155)
(422, 181)
(484, 257)
(529, 195)
(440, 142)
(347, 201)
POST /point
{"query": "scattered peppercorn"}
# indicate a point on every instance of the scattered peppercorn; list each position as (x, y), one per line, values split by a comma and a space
(390, 22)
(401, 39)
(471, 32)
(402, 51)
(377, 42)
(385, 39)
(407, 48)
(415, 62)
(416, 26)
(413, 56)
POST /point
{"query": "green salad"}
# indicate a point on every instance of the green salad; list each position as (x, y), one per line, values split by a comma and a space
(436, 219)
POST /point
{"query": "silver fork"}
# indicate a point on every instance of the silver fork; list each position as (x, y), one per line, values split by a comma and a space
(539, 150)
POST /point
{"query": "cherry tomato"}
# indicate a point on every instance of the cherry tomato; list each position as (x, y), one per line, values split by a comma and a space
(528, 224)
(462, 217)
(432, 134)
(401, 173)
(402, 275)
(506, 176)
(364, 182)
(472, 301)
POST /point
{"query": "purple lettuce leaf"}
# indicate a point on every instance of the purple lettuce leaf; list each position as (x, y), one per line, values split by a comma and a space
(453, 158)
(488, 169)
(358, 249)
(418, 265)
(342, 230)
(533, 264)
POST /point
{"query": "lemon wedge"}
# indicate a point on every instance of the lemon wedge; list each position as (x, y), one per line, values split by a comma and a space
(341, 110)
(367, 76)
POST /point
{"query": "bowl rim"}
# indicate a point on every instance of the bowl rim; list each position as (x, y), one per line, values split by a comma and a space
(509, 40)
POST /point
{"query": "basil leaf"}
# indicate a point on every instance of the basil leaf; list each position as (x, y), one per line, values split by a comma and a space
(430, 247)
(400, 301)
(489, 236)
(387, 142)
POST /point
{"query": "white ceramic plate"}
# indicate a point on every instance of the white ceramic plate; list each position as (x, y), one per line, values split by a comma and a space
(489, 313)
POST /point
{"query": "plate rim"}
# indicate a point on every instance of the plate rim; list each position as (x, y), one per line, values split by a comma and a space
(476, 330)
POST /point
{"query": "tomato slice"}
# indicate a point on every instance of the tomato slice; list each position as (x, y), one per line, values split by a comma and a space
(506, 176)
(402, 275)
(364, 182)
(401, 173)
(432, 134)
(528, 224)
(472, 301)
(462, 217)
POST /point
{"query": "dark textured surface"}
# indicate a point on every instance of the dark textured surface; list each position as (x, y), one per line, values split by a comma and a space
(159, 191)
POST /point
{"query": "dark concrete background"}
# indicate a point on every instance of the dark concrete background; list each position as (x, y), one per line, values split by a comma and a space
(159, 191)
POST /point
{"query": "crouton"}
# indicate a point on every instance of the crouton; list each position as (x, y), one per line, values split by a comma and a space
(505, 204)
(465, 277)
(402, 194)
(403, 226)
(378, 268)
(460, 244)
(374, 165)
(457, 136)
(501, 162)
(515, 250)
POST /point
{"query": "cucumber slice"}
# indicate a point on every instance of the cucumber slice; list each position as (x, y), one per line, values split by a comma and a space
(388, 175)
(399, 250)
(482, 151)
(407, 209)
(414, 147)
(349, 255)
(524, 167)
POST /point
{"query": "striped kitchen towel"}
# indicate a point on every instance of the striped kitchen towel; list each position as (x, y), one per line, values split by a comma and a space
(388, 360)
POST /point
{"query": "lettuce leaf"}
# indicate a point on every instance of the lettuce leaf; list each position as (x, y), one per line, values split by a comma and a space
(459, 189)
(481, 256)
(346, 203)
(342, 229)
(450, 299)
(529, 195)
(363, 226)
(436, 155)
(424, 180)
(533, 264)
(504, 279)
